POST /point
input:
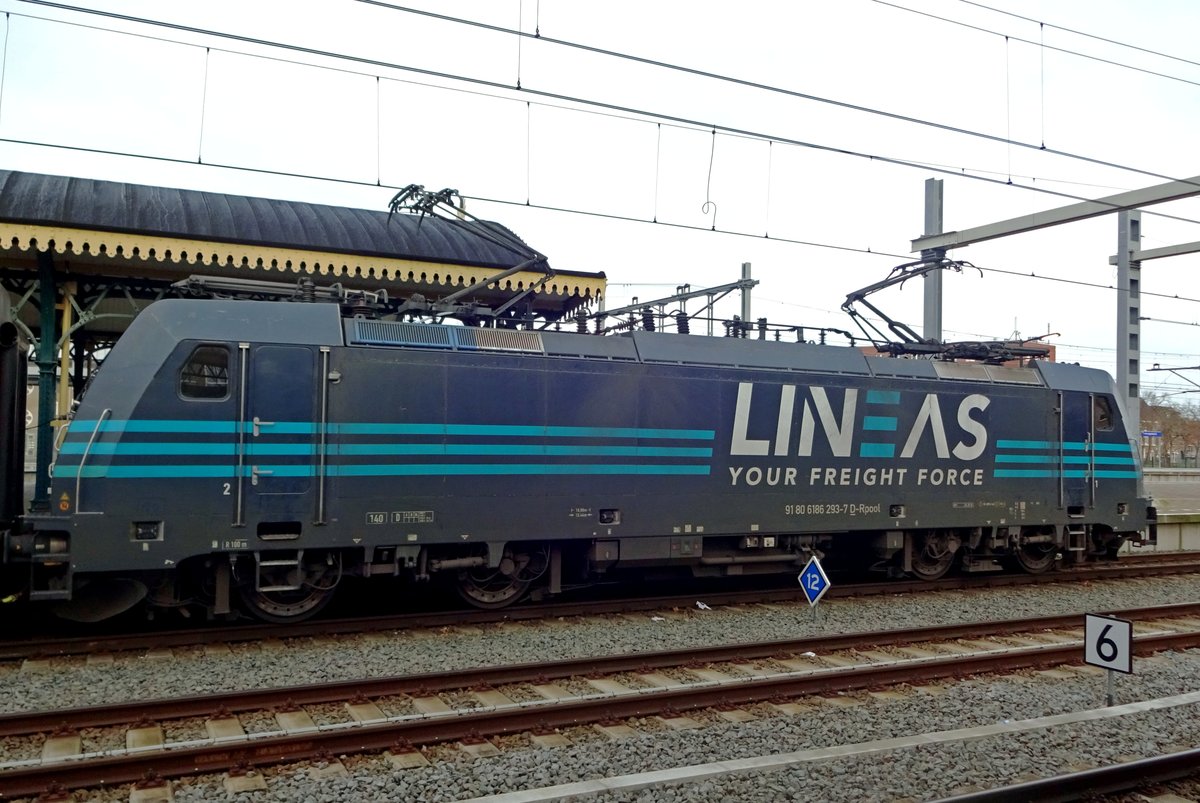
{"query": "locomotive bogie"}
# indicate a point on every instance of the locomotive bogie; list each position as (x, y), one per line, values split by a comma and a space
(254, 454)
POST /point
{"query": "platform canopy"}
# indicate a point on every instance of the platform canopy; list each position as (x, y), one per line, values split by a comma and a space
(117, 240)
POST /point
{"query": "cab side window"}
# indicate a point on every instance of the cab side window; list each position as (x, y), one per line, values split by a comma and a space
(205, 375)
(1102, 413)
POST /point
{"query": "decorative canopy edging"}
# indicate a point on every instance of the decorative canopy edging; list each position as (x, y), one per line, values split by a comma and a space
(101, 248)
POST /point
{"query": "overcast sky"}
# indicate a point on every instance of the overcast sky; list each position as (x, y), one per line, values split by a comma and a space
(815, 222)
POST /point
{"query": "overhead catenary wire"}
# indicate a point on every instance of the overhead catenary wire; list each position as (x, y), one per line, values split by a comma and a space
(203, 104)
(623, 218)
(981, 29)
(311, 51)
(1171, 322)
(607, 108)
(754, 84)
(731, 132)
(4, 59)
(816, 244)
(589, 213)
(506, 202)
(645, 115)
(642, 114)
(1078, 32)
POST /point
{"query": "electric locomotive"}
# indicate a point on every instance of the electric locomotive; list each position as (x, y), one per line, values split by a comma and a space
(235, 453)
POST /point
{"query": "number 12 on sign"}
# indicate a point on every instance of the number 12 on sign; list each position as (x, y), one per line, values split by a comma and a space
(813, 581)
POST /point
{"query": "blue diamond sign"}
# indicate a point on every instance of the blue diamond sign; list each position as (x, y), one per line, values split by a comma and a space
(813, 581)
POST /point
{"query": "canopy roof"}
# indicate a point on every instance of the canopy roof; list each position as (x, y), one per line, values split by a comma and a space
(117, 230)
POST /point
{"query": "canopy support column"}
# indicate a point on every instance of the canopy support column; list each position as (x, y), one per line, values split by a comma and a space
(47, 361)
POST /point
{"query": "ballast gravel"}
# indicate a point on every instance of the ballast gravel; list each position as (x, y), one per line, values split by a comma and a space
(927, 772)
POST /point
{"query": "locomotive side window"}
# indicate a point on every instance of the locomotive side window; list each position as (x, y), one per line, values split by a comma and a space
(1102, 413)
(205, 375)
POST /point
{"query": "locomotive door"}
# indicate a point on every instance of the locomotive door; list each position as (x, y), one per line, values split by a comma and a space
(1076, 437)
(277, 433)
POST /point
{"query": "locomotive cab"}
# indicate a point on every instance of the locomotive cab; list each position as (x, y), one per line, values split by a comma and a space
(186, 470)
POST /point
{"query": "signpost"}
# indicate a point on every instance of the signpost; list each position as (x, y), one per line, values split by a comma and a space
(1152, 444)
(1108, 643)
(813, 582)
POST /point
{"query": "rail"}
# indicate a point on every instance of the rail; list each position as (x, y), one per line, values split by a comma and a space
(1141, 565)
(16, 724)
(215, 755)
(1088, 784)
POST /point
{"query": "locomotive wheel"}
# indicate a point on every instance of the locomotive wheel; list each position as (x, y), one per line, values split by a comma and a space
(285, 606)
(1036, 558)
(933, 555)
(317, 585)
(489, 588)
(485, 588)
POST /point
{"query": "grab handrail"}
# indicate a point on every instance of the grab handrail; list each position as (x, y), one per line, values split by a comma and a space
(83, 459)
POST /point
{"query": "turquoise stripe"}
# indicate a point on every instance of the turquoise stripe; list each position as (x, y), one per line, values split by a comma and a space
(883, 397)
(1099, 460)
(1074, 460)
(177, 426)
(252, 449)
(879, 423)
(397, 470)
(188, 449)
(85, 427)
(503, 430)
(460, 469)
(1026, 445)
(1070, 474)
(1072, 445)
(516, 449)
(180, 471)
(877, 450)
(146, 472)
(194, 449)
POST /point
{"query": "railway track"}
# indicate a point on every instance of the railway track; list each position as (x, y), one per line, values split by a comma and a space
(1148, 565)
(1090, 784)
(468, 707)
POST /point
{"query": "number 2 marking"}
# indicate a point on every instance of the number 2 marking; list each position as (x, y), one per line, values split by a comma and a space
(226, 491)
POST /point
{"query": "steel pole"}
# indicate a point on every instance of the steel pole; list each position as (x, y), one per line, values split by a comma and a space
(46, 362)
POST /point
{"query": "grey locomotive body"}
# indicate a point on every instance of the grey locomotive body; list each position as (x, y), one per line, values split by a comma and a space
(262, 451)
